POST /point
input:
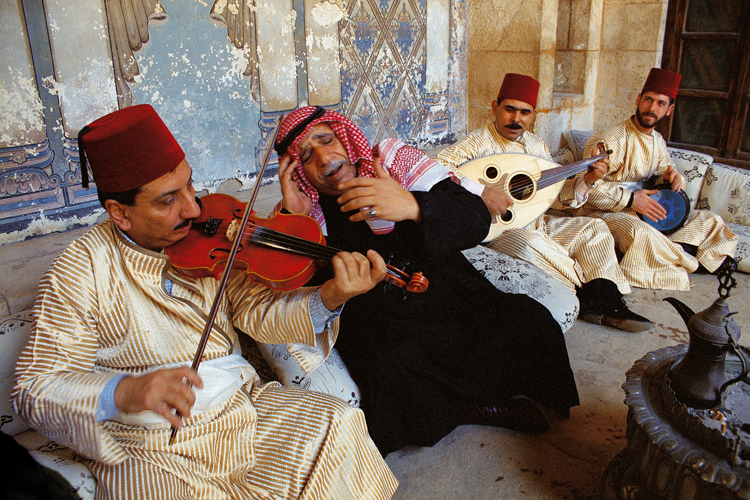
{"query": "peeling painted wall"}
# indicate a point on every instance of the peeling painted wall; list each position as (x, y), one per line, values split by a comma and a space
(220, 74)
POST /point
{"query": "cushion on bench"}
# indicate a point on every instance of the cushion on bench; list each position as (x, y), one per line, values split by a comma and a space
(512, 275)
(14, 333)
(742, 254)
(726, 192)
(694, 167)
(332, 377)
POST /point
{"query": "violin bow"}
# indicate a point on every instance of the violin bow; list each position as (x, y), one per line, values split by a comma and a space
(228, 267)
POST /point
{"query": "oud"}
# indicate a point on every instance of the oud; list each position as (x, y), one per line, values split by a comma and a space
(532, 183)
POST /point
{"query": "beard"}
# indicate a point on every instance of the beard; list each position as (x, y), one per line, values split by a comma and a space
(640, 117)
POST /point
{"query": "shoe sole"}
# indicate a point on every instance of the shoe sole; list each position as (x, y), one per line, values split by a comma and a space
(624, 325)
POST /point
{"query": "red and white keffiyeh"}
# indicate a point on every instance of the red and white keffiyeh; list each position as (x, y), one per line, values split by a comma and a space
(411, 168)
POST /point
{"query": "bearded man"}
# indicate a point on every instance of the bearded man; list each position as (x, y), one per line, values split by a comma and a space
(651, 259)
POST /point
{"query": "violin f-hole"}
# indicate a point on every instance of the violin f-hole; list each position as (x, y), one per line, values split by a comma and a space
(212, 254)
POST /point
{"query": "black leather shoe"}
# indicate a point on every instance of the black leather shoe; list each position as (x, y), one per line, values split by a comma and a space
(518, 413)
(619, 317)
(602, 304)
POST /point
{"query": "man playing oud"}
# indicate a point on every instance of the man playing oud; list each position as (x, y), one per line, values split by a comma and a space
(579, 252)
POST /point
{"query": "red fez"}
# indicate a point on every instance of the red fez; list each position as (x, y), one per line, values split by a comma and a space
(662, 82)
(519, 88)
(128, 149)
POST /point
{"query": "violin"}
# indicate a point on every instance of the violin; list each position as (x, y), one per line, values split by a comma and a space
(281, 252)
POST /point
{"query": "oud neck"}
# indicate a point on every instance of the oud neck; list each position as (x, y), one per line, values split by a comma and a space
(555, 175)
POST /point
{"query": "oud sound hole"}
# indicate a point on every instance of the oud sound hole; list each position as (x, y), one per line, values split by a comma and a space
(491, 173)
(507, 216)
(521, 187)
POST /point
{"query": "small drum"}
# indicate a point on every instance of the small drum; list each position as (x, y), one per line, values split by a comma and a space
(677, 205)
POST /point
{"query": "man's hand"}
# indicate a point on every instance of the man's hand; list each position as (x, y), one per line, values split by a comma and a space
(354, 274)
(295, 200)
(497, 201)
(673, 176)
(644, 204)
(382, 194)
(162, 391)
(596, 170)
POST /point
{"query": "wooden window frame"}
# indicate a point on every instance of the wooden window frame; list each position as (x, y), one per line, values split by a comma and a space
(737, 95)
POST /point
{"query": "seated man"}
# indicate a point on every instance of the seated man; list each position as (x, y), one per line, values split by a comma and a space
(116, 327)
(459, 352)
(579, 252)
(639, 153)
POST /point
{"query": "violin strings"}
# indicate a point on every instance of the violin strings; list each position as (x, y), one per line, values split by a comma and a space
(291, 243)
(294, 244)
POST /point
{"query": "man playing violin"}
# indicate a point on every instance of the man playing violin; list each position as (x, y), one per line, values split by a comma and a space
(579, 252)
(639, 153)
(107, 371)
(459, 352)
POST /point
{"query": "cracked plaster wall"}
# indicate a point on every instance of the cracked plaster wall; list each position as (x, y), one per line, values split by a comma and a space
(198, 81)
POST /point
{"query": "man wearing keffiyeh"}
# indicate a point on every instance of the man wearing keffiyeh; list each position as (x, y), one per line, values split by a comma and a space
(461, 351)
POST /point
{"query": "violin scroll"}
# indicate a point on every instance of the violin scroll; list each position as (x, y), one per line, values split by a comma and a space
(416, 283)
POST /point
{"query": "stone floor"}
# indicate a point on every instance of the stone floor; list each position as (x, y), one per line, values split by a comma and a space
(476, 462)
(568, 461)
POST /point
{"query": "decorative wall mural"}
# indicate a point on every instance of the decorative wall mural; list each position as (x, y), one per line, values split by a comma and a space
(220, 74)
(128, 31)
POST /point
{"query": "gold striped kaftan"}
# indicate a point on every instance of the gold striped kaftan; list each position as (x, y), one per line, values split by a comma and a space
(572, 250)
(651, 259)
(103, 309)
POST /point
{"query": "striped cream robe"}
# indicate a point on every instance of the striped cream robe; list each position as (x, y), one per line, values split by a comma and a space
(651, 259)
(573, 250)
(103, 309)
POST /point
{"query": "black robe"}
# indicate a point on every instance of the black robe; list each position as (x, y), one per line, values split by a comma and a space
(423, 361)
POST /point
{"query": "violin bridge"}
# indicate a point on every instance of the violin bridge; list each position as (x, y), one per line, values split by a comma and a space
(233, 229)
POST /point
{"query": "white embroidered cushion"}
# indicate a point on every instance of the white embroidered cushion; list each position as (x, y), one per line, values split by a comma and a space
(60, 459)
(742, 254)
(332, 377)
(511, 275)
(693, 166)
(14, 334)
(563, 156)
(726, 192)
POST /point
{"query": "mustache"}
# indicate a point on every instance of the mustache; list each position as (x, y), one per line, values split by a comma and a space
(184, 223)
(514, 126)
(332, 167)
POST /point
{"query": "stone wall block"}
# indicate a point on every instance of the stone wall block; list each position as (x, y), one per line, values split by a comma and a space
(506, 26)
(631, 27)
